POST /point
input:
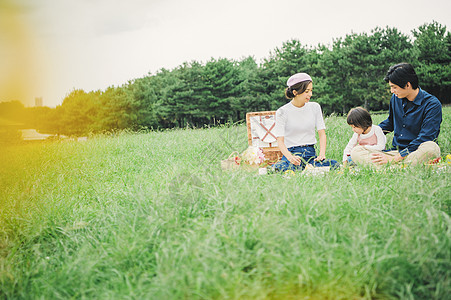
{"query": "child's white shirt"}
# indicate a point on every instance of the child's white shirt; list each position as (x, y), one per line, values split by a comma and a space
(380, 145)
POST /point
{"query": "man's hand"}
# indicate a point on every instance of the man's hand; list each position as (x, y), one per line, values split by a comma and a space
(382, 159)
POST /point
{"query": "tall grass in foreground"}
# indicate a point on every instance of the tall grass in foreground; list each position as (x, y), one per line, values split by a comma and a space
(152, 216)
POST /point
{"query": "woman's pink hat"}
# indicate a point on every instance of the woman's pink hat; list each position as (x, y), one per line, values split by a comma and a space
(298, 77)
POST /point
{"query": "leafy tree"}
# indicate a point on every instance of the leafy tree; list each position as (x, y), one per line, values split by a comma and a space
(118, 109)
(250, 94)
(43, 119)
(433, 44)
(12, 118)
(156, 89)
(346, 74)
(355, 67)
(12, 111)
(177, 95)
(78, 113)
(142, 92)
(193, 95)
(222, 78)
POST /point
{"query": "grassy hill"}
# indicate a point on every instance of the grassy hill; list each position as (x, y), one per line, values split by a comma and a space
(151, 215)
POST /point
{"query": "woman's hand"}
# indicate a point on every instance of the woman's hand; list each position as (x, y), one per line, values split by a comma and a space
(295, 160)
(320, 157)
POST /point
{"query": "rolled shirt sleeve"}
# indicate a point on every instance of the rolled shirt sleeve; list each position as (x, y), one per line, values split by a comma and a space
(319, 118)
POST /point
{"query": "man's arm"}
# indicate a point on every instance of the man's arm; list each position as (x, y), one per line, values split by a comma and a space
(382, 158)
(387, 125)
(430, 128)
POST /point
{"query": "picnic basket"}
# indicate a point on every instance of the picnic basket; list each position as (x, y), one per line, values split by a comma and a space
(231, 162)
(235, 162)
(259, 132)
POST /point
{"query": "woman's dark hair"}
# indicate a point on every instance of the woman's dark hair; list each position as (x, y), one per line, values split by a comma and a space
(298, 87)
(359, 117)
(402, 73)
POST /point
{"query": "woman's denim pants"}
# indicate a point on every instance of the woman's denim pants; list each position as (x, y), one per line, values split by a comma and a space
(307, 155)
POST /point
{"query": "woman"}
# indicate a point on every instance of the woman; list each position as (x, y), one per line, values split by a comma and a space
(295, 127)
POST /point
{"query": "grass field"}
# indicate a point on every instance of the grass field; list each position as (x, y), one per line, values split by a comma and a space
(152, 215)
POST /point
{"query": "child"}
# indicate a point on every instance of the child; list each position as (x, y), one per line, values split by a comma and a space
(365, 133)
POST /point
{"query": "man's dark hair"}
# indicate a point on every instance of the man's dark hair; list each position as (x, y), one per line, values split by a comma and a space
(402, 73)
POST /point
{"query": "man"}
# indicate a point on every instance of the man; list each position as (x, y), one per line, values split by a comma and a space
(414, 117)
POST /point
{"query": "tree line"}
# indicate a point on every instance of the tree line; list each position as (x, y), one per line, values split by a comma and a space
(347, 73)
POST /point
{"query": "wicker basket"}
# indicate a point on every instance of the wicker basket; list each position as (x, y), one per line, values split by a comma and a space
(272, 155)
(259, 133)
(230, 163)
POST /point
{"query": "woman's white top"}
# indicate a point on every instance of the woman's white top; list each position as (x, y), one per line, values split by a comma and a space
(378, 144)
(297, 124)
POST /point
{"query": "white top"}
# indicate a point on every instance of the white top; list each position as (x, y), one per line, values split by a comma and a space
(297, 124)
(375, 130)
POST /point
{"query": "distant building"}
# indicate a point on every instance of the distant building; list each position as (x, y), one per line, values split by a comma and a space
(38, 101)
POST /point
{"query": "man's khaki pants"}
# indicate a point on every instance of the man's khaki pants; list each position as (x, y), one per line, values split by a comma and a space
(425, 152)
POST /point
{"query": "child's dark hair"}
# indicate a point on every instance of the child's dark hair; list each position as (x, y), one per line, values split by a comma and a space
(402, 73)
(359, 117)
(298, 87)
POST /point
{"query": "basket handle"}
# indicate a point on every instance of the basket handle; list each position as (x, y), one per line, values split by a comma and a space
(234, 153)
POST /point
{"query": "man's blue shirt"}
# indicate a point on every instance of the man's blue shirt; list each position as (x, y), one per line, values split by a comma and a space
(419, 124)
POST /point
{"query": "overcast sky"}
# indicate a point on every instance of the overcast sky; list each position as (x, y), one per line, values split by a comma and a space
(50, 47)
